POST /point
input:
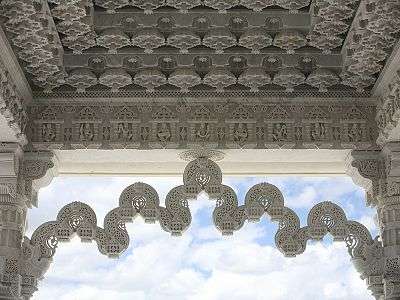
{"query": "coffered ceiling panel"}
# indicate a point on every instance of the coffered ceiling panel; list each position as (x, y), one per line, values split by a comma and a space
(152, 48)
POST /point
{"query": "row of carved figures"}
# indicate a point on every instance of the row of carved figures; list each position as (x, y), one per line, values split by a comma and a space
(164, 133)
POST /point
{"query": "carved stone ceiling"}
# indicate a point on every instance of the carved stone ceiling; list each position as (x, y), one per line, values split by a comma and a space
(141, 48)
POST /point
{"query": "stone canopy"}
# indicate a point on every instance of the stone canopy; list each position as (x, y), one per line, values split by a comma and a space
(167, 48)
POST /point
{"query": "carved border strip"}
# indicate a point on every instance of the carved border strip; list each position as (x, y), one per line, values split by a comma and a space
(388, 111)
(180, 125)
(12, 105)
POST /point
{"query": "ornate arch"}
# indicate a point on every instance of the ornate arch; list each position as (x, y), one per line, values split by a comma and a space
(203, 175)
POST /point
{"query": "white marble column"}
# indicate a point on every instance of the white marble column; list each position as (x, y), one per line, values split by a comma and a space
(379, 173)
(18, 191)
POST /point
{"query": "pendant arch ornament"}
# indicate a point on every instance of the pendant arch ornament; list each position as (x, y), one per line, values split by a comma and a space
(204, 175)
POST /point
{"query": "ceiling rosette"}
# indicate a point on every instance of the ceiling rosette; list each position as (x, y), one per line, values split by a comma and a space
(255, 39)
(150, 79)
(292, 5)
(356, 81)
(184, 5)
(184, 78)
(148, 39)
(257, 5)
(76, 27)
(111, 5)
(219, 39)
(221, 5)
(115, 78)
(81, 79)
(290, 40)
(79, 43)
(148, 5)
(220, 78)
(254, 78)
(322, 79)
(289, 78)
(69, 12)
(326, 43)
(113, 39)
(183, 39)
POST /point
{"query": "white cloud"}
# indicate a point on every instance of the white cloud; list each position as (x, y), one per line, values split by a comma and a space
(306, 198)
(200, 265)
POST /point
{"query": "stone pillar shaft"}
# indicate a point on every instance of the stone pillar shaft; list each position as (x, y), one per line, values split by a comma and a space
(13, 220)
(18, 171)
(380, 175)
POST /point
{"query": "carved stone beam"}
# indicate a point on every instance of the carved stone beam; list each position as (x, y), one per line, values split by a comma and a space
(388, 111)
(346, 124)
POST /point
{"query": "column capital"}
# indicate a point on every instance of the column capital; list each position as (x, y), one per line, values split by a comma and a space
(37, 170)
(379, 173)
(22, 174)
(367, 168)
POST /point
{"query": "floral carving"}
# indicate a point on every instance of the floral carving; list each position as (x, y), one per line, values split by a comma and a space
(115, 79)
(292, 5)
(289, 78)
(111, 5)
(150, 79)
(79, 43)
(148, 5)
(184, 39)
(290, 40)
(184, 5)
(184, 79)
(254, 78)
(148, 39)
(219, 78)
(113, 39)
(81, 79)
(257, 5)
(219, 39)
(221, 5)
(322, 79)
(255, 39)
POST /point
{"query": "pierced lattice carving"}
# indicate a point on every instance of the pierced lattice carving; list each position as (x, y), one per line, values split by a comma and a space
(204, 175)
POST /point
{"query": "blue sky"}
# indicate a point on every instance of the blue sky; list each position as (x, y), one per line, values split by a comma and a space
(202, 264)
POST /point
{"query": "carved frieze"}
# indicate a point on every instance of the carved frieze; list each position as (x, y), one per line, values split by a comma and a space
(226, 125)
(12, 106)
(388, 111)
